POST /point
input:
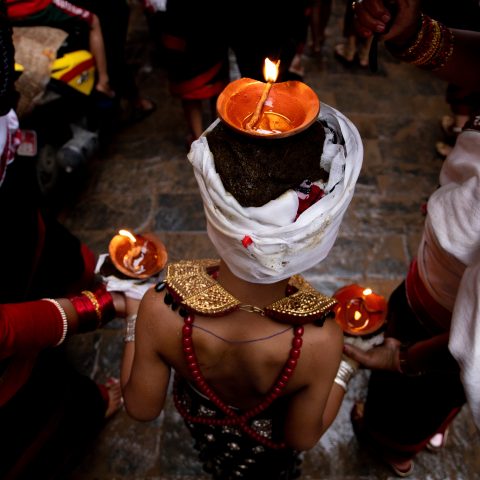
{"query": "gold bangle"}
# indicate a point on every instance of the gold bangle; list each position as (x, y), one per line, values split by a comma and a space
(432, 47)
(431, 52)
(91, 296)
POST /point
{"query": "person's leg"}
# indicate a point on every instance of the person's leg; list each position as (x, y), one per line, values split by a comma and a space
(114, 18)
(69, 17)
(97, 48)
(319, 18)
(401, 412)
(325, 12)
(346, 51)
(193, 111)
(364, 51)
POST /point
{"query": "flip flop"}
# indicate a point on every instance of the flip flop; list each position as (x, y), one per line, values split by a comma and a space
(404, 471)
(437, 442)
(343, 55)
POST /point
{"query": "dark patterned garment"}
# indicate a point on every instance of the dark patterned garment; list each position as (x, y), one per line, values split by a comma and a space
(227, 453)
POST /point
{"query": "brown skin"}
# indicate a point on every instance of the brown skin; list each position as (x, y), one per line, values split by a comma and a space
(241, 374)
(427, 355)
(463, 67)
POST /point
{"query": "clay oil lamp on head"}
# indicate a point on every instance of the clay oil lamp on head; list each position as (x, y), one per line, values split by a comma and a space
(360, 312)
(268, 110)
(137, 256)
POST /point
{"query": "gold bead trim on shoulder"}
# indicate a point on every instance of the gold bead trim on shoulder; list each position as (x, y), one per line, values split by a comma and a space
(191, 283)
(302, 304)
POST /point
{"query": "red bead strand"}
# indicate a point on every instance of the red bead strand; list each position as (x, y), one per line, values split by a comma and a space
(232, 417)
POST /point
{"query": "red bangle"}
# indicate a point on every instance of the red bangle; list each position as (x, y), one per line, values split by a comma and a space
(87, 317)
(105, 302)
(94, 309)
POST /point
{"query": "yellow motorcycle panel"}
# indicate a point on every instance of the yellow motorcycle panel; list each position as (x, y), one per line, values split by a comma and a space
(77, 69)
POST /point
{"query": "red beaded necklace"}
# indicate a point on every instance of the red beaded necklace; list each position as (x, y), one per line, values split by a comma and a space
(192, 287)
(232, 417)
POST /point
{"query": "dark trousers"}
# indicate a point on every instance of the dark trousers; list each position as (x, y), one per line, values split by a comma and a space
(402, 412)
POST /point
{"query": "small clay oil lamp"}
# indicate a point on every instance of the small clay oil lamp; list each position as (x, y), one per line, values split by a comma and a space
(268, 110)
(359, 311)
(137, 256)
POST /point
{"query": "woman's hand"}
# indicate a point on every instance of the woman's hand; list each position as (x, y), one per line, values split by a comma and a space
(396, 20)
(124, 305)
(383, 357)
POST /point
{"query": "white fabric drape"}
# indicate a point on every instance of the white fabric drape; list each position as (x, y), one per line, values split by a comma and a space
(281, 246)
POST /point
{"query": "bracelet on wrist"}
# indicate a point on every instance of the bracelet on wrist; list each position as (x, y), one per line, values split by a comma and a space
(130, 329)
(430, 49)
(64, 319)
(344, 374)
(94, 309)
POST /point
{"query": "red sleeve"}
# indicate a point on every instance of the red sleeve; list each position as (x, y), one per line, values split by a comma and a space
(24, 8)
(28, 327)
(87, 279)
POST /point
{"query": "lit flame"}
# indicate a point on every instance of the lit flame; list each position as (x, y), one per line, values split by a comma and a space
(270, 70)
(367, 291)
(126, 233)
(357, 315)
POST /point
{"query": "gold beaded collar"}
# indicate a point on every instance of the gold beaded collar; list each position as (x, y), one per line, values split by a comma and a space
(191, 284)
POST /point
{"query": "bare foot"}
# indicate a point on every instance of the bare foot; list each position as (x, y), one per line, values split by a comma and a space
(345, 53)
(443, 148)
(115, 399)
(105, 89)
(144, 104)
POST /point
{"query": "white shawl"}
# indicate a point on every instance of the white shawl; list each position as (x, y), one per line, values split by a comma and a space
(280, 245)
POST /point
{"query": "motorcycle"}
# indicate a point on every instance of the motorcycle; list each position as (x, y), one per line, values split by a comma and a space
(61, 123)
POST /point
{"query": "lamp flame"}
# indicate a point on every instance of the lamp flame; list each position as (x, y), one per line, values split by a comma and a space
(367, 291)
(357, 315)
(270, 70)
(129, 235)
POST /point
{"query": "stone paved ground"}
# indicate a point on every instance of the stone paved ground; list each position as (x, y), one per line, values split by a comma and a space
(142, 181)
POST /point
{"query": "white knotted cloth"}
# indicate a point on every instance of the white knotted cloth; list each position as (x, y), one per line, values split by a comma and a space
(280, 245)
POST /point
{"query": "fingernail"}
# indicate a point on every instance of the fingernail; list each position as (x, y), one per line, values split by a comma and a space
(386, 18)
(380, 27)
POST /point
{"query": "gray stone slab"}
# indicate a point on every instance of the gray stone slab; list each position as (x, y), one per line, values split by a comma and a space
(143, 181)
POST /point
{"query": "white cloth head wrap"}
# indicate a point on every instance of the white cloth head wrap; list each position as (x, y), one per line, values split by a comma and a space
(280, 245)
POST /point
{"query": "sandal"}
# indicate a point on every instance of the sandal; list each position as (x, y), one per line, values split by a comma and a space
(344, 54)
(438, 441)
(405, 469)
